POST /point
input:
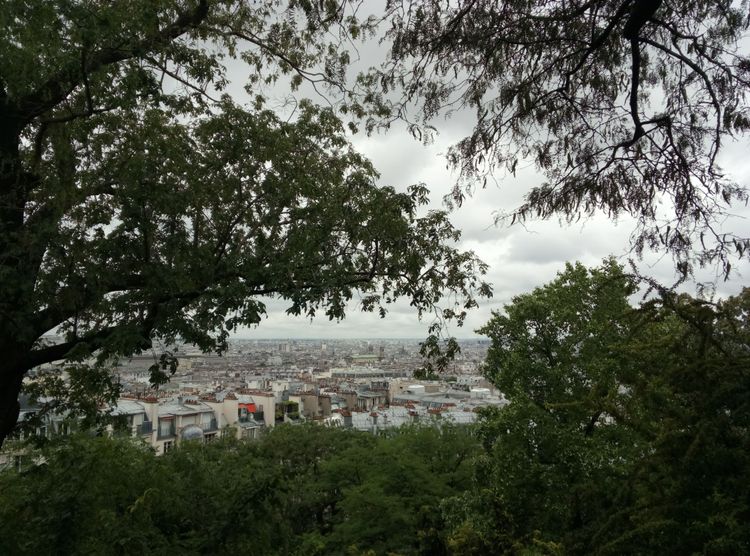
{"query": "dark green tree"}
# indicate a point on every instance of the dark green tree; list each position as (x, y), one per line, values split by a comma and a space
(551, 452)
(384, 495)
(621, 104)
(113, 496)
(302, 490)
(136, 201)
(627, 429)
(552, 346)
(687, 398)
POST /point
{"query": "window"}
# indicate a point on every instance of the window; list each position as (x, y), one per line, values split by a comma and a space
(166, 427)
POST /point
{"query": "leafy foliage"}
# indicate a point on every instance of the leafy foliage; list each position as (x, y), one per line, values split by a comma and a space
(620, 104)
(137, 200)
(627, 430)
(300, 490)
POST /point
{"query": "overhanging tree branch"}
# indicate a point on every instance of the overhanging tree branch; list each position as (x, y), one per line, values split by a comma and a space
(60, 85)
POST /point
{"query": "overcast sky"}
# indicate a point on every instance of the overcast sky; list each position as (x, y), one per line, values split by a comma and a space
(520, 257)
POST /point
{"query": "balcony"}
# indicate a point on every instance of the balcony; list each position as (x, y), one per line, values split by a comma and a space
(147, 427)
(210, 426)
(166, 431)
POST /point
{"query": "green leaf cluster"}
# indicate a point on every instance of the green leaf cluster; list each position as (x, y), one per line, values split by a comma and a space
(299, 490)
(627, 429)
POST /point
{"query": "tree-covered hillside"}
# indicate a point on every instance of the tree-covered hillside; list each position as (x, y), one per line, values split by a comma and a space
(301, 490)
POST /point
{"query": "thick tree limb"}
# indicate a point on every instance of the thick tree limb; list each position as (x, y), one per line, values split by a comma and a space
(59, 352)
(639, 16)
(60, 85)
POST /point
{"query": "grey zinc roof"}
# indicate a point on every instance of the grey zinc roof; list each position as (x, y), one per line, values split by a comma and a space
(460, 417)
(128, 407)
(174, 407)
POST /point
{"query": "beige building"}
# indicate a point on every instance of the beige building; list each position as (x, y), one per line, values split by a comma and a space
(165, 423)
(311, 405)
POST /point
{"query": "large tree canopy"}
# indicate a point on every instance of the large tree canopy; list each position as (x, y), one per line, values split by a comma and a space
(627, 428)
(622, 105)
(134, 204)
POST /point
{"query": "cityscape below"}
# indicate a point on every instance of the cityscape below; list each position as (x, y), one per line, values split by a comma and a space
(367, 385)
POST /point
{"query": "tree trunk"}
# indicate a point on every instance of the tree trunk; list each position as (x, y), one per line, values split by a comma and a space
(11, 377)
(16, 282)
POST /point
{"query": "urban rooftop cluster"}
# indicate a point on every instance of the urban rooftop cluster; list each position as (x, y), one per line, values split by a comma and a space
(364, 385)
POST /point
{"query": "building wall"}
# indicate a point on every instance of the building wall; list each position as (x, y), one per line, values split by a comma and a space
(268, 404)
(350, 399)
(324, 403)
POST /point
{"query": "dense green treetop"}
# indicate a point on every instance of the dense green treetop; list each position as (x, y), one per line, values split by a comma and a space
(627, 430)
(562, 330)
(305, 490)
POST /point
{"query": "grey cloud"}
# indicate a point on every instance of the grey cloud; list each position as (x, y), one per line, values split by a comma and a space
(520, 258)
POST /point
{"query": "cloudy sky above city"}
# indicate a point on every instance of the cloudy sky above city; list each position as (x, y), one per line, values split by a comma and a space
(520, 257)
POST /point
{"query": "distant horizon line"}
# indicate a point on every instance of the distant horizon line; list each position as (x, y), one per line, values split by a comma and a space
(419, 338)
(318, 338)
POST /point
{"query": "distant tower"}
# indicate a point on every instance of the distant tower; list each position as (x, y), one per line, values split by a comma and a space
(381, 352)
